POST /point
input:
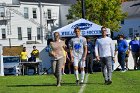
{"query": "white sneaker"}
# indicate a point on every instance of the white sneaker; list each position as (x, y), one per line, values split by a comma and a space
(82, 82)
(123, 71)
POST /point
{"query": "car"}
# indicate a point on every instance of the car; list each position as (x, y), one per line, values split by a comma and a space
(11, 65)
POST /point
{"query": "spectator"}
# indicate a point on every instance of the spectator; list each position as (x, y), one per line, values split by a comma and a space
(90, 55)
(24, 55)
(134, 47)
(122, 47)
(65, 57)
(34, 54)
(126, 59)
(24, 58)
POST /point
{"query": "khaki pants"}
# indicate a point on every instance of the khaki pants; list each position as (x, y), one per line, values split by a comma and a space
(57, 67)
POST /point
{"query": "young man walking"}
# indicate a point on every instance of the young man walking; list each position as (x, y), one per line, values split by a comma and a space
(78, 52)
(105, 53)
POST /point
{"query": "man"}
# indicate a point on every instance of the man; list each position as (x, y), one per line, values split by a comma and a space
(104, 52)
(78, 52)
(134, 44)
(90, 55)
(56, 51)
(122, 47)
(24, 58)
(34, 54)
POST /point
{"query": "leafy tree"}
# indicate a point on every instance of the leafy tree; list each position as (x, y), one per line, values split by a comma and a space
(103, 12)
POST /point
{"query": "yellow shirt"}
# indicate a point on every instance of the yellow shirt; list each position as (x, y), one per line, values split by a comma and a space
(23, 55)
(64, 52)
(35, 53)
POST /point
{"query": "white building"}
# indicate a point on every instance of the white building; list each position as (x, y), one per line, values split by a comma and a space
(131, 25)
(30, 21)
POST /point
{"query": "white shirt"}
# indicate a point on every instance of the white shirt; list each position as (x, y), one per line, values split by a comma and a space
(104, 47)
(77, 44)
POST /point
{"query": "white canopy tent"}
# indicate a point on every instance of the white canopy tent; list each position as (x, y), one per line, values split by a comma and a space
(87, 28)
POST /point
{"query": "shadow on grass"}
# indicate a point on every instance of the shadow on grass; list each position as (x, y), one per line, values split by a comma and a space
(74, 84)
(63, 84)
(68, 84)
(95, 83)
(31, 85)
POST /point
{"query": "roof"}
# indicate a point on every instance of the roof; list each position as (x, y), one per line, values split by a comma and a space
(132, 8)
(87, 28)
(52, 1)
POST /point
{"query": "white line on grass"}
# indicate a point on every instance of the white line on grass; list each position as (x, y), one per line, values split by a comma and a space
(83, 86)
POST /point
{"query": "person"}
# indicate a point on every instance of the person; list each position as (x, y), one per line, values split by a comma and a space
(34, 54)
(134, 47)
(69, 63)
(122, 47)
(23, 58)
(90, 55)
(24, 55)
(65, 57)
(78, 52)
(56, 52)
(104, 51)
(126, 59)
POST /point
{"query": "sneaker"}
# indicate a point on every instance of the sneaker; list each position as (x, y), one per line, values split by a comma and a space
(109, 82)
(123, 71)
(135, 68)
(127, 69)
(63, 73)
(91, 72)
(82, 82)
(58, 85)
(77, 82)
(106, 82)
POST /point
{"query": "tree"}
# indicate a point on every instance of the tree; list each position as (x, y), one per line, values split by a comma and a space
(103, 12)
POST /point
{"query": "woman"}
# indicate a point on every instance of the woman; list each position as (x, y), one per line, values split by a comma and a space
(56, 52)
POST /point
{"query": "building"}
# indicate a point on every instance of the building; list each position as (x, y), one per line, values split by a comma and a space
(31, 21)
(130, 26)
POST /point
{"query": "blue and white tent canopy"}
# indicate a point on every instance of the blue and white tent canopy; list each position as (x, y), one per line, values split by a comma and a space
(87, 28)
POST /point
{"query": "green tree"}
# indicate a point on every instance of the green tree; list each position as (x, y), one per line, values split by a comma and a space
(103, 12)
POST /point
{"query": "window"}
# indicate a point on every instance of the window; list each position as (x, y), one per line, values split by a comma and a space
(3, 33)
(130, 32)
(26, 14)
(49, 14)
(38, 34)
(34, 13)
(29, 33)
(2, 13)
(19, 33)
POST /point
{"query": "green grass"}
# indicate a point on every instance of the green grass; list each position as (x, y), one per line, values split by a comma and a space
(128, 82)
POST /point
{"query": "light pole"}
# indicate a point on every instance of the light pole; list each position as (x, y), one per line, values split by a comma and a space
(83, 8)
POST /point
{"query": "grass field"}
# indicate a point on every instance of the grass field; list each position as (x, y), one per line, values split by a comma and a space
(128, 82)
